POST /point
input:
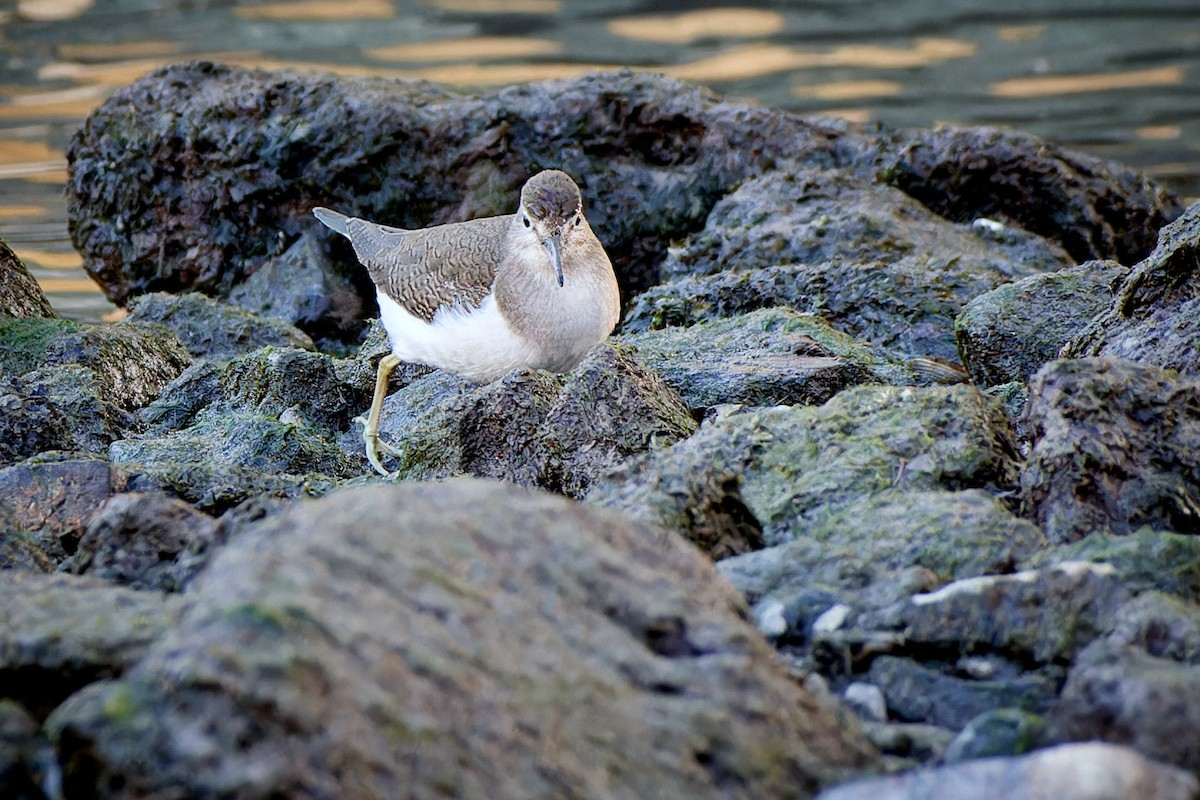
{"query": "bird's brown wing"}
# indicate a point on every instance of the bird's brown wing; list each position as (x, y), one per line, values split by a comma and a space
(431, 268)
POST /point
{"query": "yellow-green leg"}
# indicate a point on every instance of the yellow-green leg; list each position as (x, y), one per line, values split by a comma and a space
(371, 425)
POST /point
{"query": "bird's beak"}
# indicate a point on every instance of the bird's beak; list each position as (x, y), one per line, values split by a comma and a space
(553, 243)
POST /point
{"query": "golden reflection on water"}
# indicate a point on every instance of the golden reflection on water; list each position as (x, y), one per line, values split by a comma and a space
(714, 23)
(1050, 85)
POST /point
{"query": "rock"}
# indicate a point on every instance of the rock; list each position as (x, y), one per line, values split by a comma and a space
(61, 632)
(910, 741)
(887, 304)
(1003, 732)
(217, 488)
(1007, 334)
(1114, 447)
(867, 700)
(779, 470)
(933, 695)
(1153, 315)
(1037, 616)
(323, 391)
(269, 412)
(52, 500)
(69, 387)
(1140, 685)
(466, 638)
(774, 356)
(864, 554)
(1143, 559)
(1095, 209)
(218, 147)
(146, 541)
(818, 215)
(256, 443)
(20, 552)
(198, 174)
(303, 287)
(1091, 771)
(532, 427)
(28, 769)
(20, 295)
(210, 329)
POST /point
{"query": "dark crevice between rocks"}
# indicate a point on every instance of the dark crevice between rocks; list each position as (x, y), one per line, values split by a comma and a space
(723, 526)
(39, 690)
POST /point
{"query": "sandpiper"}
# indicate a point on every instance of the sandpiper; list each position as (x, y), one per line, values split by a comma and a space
(484, 297)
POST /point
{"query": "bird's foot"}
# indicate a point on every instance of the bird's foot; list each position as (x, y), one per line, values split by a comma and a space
(374, 445)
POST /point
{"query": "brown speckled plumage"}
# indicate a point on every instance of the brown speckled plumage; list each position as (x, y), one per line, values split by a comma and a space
(426, 269)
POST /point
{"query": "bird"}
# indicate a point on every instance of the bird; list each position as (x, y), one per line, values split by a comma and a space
(487, 296)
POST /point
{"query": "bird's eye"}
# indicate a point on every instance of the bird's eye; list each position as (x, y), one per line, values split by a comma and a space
(578, 219)
(526, 221)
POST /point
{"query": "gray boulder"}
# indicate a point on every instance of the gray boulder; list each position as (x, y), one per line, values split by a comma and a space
(1093, 208)
(1114, 447)
(1092, 771)
(1154, 315)
(774, 356)
(1007, 334)
(817, 215)
(49, 501)
(1043, 616)
(146, 541)
(59, 633)
(774, 472)
(20, 295)
(211, 329)
(532, 427)
(465, 638)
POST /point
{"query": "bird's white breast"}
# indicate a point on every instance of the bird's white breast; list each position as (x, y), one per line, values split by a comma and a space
(477, 344)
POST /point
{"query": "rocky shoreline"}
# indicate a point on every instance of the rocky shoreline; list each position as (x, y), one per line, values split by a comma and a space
(886, 487)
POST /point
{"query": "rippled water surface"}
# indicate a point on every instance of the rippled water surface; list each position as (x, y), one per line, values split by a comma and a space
(1117, 79)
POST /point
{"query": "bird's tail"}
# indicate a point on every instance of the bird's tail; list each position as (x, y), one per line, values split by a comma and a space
(332, 220)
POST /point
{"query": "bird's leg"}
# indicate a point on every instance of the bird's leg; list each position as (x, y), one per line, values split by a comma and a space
(371, 425)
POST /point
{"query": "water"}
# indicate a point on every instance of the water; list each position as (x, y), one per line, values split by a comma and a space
(1116, 79)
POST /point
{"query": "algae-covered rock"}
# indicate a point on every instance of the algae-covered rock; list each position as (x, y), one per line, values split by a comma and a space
(532, 427)
(20, 295)
(1154, 315)
(1140, 685)
(65, 386)
(1002, 732)
(1114, 447)
(906, 305)
(1086, 771)
(1094, 208)
(1144, 559)
(208, 328)
(467, 638)
(817, 215)
(253, 442)
(864, 554)
(774, 356)
(1007, 334)
(61, 632)
(777, 470)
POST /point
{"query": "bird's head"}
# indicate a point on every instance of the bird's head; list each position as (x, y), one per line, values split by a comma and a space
(550, 208)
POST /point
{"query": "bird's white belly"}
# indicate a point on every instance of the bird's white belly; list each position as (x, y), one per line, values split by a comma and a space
(477, 344)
